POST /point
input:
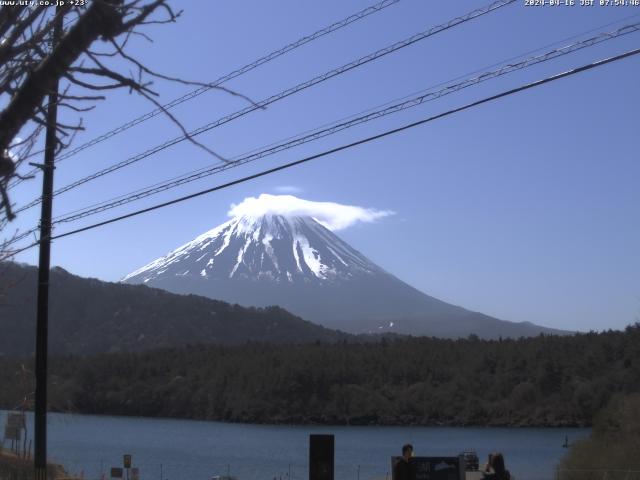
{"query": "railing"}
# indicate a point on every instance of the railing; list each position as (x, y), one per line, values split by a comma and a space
(597, 474)
(101, 470)
(280, 470)
(197, 470)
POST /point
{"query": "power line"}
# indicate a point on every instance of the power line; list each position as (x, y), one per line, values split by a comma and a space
(362, 141)
(557, 42)
(325, 153)
(334, 128)
(283, 94)
(225, 78)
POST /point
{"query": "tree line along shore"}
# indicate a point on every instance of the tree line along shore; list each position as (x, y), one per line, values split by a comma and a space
(542, 381)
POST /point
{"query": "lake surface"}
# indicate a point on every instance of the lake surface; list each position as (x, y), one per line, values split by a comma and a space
(165, 449)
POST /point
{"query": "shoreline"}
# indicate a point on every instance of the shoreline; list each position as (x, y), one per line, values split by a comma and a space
(352, 422)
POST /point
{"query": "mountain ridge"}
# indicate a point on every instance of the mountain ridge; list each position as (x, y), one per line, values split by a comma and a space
(297, 263)
(88, 316)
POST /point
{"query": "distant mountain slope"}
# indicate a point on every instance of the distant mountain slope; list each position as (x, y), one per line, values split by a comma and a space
(297, 263)
(91, 316)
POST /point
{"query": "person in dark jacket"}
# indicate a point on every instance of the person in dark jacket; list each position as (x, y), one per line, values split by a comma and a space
(487, 467)
(498, 470)
(401, 468)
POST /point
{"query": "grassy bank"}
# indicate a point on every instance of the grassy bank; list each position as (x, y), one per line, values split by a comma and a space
(14, 467)
(613, 450)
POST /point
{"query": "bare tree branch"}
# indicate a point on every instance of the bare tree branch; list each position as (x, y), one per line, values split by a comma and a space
(187, 135)
(147, 70)
(101, 19)
(31, 63)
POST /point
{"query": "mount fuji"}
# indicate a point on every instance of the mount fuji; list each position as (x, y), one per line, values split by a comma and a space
(295, 262)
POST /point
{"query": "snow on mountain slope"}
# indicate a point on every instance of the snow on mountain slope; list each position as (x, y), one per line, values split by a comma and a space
(294, 261)
(271, 248)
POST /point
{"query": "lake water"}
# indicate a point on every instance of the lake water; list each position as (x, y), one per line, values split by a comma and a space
(165, 449)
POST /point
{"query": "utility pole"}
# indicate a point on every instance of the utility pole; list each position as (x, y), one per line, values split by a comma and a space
(42, 322)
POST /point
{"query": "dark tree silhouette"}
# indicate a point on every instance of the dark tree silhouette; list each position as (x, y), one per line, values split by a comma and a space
(89, 60)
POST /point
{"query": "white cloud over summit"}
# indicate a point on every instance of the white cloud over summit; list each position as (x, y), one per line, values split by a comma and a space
(288, 189)
(334, 216)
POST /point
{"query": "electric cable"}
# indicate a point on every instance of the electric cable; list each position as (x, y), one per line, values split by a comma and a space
(281, 95)
(337, 127)
(426, 95)
(236, 73)
(362, 141)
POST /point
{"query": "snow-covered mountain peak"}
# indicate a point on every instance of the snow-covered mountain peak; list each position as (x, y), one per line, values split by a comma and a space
(272, 247)
(288, 258)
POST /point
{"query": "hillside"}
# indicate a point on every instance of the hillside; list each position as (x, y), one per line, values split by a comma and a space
(88, 316)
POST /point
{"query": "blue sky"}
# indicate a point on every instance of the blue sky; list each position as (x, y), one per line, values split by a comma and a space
(525, 209)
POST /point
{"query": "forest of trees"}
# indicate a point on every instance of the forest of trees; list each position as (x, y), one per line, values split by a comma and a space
(88, 316)
(541, 381)
(613, 450)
